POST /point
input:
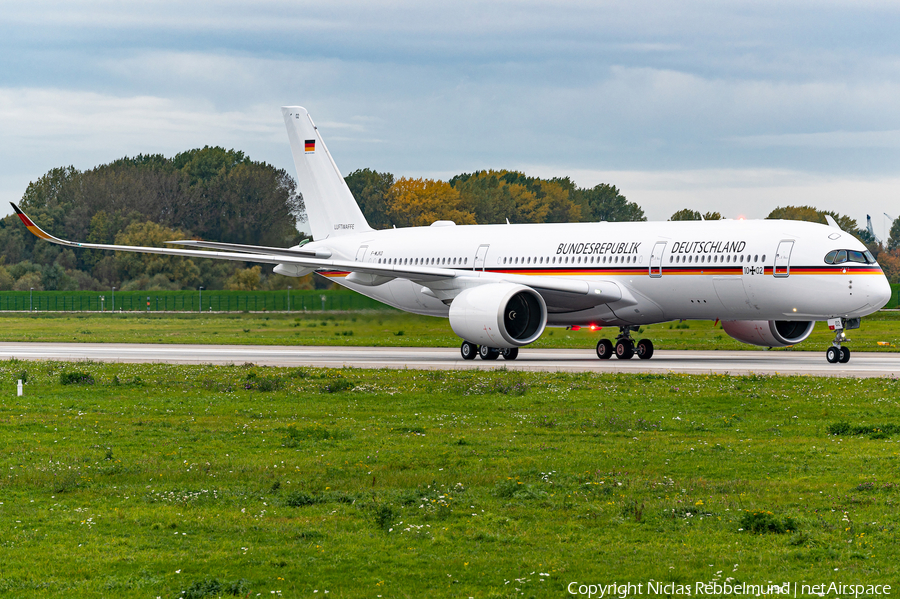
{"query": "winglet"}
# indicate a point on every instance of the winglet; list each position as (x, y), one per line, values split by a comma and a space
(36, 230)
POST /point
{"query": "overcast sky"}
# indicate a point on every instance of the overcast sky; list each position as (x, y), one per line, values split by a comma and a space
(713, 105)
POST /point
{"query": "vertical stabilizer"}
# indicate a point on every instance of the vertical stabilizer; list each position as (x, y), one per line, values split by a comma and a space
(330, 206)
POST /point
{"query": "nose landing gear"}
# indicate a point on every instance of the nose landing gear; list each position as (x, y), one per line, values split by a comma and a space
(836, 353)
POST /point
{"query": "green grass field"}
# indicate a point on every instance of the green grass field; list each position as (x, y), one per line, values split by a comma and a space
(381, 328)
(180, 481)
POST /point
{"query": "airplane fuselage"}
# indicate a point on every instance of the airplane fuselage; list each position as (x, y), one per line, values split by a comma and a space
(729, 269)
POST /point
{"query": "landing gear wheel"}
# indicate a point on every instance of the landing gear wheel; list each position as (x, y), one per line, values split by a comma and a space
(624, 349)
(510, 353)
(604, 349)
(845, 355)
(468, 350)
(644, 349)
(833, 354)
(488, 353)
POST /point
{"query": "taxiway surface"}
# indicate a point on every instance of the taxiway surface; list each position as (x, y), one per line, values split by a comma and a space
(548, 360)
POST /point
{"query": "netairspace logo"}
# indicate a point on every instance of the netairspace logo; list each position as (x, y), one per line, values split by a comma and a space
(724, 589)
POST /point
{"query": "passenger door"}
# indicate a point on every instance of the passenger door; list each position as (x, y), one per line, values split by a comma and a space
(480, 257)
(783, 259)
(656, 259)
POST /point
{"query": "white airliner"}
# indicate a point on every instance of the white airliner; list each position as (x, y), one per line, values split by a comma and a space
(768, 281)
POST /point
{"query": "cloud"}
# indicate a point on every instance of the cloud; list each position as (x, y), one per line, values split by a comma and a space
(31, 117)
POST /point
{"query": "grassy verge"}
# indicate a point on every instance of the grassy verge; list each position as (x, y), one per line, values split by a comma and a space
(381, 328)
(180, 481)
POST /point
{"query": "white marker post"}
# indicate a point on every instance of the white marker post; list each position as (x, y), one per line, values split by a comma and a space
(19, 388)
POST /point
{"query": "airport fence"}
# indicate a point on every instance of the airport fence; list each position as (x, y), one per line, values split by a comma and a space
(295, 300)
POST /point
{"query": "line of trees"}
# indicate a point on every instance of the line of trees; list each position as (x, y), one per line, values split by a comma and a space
(222, 195)
(485, 197)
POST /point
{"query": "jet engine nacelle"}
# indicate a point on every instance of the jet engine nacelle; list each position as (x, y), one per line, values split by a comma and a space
(768, 333)
(501, 315)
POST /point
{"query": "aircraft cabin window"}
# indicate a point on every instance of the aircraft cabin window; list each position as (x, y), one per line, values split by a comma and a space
(756, 257)
(764, 258)
(854, 256)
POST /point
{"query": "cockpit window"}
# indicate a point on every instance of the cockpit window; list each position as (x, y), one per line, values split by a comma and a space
(841, 256)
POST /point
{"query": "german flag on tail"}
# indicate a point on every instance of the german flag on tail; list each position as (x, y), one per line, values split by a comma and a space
(310, 146)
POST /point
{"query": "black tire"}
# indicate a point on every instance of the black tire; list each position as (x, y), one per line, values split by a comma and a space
(845, 355)
(624, 349)
(510, 353)
(833, 354)
(644, 349)
(604, 349)
(468, 350)
(488, 353)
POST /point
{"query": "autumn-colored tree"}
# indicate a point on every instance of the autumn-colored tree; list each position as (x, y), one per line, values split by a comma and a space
(890, 264)
(545, 201)
(420, 202)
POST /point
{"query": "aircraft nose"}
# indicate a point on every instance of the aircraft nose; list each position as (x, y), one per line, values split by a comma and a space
(879, 291)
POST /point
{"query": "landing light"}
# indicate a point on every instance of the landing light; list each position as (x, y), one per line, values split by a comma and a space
(795, 309)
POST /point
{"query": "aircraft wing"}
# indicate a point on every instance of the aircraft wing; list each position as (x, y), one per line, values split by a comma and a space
(445, 282)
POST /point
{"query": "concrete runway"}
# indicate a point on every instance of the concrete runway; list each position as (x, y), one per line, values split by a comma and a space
(550, 360)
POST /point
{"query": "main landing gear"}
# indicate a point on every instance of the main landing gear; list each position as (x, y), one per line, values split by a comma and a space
(470, 350)
(625, 347)
(836, 353)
